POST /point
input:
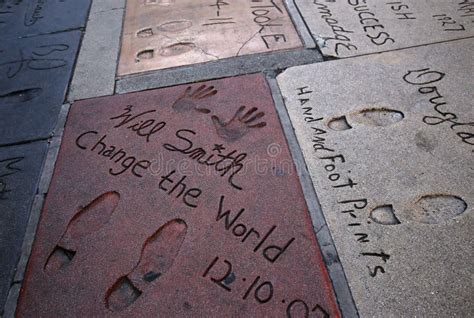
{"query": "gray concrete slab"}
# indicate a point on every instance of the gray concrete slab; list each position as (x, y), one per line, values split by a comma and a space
(355, 27)
(10, 306)
(20, 168)
(106, 5)
(26, 18)
(391, 161)
(97, 62)
(224, 68)
(325, 241)
(34, 76)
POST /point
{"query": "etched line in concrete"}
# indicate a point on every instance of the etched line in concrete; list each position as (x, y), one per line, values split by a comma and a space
(350, 28)
(240, 252)
(34, 76)
(191, 32)
(336, 272)
(391, 161)
(30, 18)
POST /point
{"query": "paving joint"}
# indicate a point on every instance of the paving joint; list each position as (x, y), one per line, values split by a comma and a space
(230, 67)
(12, 300)
(324, 238)
(161, 55)
(100, 41)
(300, 25)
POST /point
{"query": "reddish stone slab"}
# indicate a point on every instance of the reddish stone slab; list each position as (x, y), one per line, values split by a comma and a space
(161, 34)
(180, 201)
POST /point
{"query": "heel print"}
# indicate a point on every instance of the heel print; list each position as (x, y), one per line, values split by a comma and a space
(88, 220)
(158, 254)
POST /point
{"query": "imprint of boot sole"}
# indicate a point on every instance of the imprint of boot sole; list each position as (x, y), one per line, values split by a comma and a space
(172, 26)
(175, 26)
(438, 208)
(87, 220)
(384, 215)
(339, 123)
(177, 49)
(20, 96)
(377, 117)
(158, 254)
(122, 294)
(145, 55)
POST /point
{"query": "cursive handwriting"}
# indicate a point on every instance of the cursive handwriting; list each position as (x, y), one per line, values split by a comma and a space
(425, 79)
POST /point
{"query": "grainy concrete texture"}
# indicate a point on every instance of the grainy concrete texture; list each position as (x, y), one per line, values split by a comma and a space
(389, 146)
(27, 18)
(371, 176)
(354, 27)
(34, 77)
(164, 216)
(94, 74)
(268, 62)
(158, 36)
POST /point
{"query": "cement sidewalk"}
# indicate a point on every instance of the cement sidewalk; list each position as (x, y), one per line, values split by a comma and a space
(247, 158)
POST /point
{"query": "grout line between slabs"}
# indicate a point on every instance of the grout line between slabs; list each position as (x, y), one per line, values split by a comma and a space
(330, 58)
(13, 294)
(12, 299)
(35, 212)
(79, 90)
(324, 237)
(119, 51)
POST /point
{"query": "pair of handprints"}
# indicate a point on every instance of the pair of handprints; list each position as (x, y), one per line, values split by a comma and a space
(237, 127)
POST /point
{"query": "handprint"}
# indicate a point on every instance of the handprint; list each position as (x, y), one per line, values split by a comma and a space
(189, 99)
(239, 125)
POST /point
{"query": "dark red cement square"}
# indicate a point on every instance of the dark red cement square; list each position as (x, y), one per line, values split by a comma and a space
(131, 224)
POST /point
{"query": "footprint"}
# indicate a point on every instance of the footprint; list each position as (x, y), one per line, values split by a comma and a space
(175, 26)
(167, 51)
(438, 208)
(88, 220)
(339, 123)
(378, 117)
(375, 117)
(145, 55)
(158, 254)
(20, 96)
(384, 215)
(177, 49)
(171, 26)
(145, 33)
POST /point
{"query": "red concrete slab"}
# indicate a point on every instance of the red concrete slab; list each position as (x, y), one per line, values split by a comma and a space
(180, 201)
